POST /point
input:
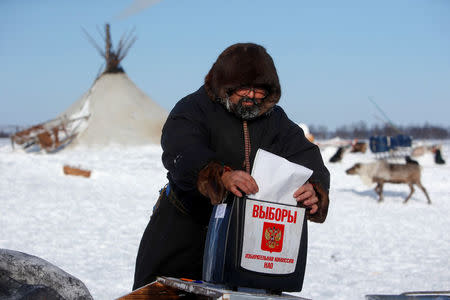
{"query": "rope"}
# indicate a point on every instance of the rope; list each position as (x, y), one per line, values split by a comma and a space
(248, 146)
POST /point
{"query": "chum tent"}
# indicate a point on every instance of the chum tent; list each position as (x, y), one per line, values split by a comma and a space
(113, 111)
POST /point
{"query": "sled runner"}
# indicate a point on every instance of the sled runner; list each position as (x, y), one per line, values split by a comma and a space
(51, 136)
(422, 295)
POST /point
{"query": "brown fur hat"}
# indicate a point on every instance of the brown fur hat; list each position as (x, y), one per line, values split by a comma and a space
(243, 64)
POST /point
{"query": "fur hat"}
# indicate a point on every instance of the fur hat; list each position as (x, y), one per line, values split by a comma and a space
(243, 64)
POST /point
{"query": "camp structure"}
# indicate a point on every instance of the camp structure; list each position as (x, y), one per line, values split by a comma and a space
(113, 111)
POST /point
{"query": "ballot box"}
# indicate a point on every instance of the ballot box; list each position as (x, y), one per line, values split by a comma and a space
(256, 244)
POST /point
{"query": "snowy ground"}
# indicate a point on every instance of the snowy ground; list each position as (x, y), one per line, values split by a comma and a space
(91, 228)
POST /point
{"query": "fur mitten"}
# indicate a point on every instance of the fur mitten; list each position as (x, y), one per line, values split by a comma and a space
(209, 182)
(322, 195)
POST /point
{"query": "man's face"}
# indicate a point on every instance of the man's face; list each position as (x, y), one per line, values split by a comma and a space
(246, 102)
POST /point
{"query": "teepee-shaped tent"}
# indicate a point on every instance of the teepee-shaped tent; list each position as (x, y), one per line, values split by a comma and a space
(113, 111)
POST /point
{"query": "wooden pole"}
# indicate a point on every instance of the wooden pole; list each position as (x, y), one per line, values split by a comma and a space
(108, 47)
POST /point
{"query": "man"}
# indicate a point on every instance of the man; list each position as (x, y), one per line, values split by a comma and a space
(209, 143)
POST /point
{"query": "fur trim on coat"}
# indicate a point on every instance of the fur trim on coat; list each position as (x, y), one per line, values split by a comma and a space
(210, 183)
(322, 195)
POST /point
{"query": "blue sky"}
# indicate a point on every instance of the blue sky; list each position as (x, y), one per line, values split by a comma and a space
(330, 55)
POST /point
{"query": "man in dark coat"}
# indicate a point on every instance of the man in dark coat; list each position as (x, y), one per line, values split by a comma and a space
(209, 143)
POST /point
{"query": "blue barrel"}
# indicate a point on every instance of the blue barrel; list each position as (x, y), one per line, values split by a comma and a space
(379, 144)
(404, 140)
(394, 143)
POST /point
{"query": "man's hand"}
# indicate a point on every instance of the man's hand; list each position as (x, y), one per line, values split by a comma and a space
(238, 182)
(306, 195)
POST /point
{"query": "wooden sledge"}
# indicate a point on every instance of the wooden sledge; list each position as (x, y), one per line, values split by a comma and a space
(174, 288)
(51, 136)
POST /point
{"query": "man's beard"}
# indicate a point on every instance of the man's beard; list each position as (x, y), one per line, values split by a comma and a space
(241, 111)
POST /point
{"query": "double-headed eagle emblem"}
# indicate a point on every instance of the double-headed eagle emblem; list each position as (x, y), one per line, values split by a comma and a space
(272, 236)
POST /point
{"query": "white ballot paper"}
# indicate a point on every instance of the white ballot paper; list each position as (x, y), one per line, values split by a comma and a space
(277, 178)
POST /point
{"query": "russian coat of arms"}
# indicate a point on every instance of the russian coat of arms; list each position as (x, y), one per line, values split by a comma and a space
(272, 239)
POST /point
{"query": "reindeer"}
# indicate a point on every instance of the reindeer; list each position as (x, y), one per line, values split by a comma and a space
(382, 172)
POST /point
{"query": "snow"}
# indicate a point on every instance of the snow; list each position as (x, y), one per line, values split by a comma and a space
(91, 227)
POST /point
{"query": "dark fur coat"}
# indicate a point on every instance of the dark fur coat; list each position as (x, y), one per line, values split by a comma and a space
(199, 131)
(199, 137)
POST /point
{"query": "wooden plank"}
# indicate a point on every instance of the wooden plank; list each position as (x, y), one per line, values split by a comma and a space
(168, 288)
(68, 170)
(191, 287)
(153, 290)
(214, 291)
